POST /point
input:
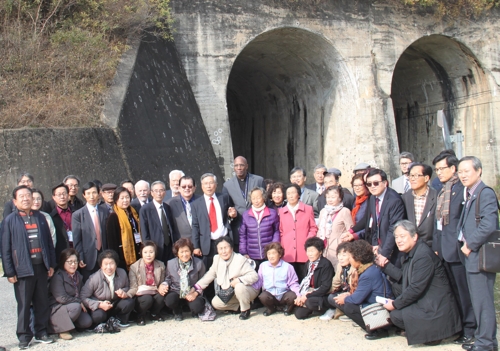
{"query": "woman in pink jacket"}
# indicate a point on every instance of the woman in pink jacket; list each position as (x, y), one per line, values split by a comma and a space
(296, 225)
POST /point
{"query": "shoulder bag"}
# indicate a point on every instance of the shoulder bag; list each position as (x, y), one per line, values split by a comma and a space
(489, 252)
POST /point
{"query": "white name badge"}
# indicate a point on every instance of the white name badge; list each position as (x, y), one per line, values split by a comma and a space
(439, 226)
(371, 222)
(137, 237)
(70, 235)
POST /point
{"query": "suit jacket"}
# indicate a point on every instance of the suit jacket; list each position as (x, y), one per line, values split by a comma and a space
(84, 238)
(445, 241)
(476, 236)
(310, 197)
(62, 241)
(136, 204)
(398, 184)
(427, 224)
(311, 186)
(348, 200)
(179, 216)
(151, 226)
(392, 210)
(201, 224)
(168, 195)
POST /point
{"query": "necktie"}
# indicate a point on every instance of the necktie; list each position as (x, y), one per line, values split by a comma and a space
(164, 227)
(321, 189)
(377, 206)
(311, 284)
(407, 185)
(188, 213)
(212, 215)
(97, 228)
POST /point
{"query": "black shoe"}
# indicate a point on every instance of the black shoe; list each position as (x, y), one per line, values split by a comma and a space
(377, 334)
(157, 317)
(400, 332)
(245, 315)
(268, 312)
(44, 339)
(464, 339)
(178, 317)
(23, 345)
(432, 343)
(471, 347)
(234, 312)
(141, 321)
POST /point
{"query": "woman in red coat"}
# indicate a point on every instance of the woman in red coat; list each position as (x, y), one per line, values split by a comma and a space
(296, 225)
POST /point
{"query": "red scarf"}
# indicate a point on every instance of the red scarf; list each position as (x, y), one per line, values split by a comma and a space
(357, 206)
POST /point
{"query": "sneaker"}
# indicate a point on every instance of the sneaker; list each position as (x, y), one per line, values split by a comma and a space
(44, 339)
(23, 345)
(328, 315)
(344, 319)
(121, 324)
(65, 336)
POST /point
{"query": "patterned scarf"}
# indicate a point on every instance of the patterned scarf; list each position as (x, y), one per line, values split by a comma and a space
(357, 206)
(443, 203)
(150, 276)
(184, 276)
(326, 221)
(355, 276)
(128, 242)
(306, 282)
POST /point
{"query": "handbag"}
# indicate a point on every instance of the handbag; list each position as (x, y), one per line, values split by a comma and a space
(375, 316)
(489, 252)
(208, 313)
(224, 294)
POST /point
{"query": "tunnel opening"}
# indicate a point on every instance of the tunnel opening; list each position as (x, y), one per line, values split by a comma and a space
(280, 95)
(436, 73)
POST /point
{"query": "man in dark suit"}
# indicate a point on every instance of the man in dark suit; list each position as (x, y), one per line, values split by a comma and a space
(331, 178)
(308, 196)
(156, 223)
(61, 216)
(173, 178)
(319, 175)
(420, 202)
(210, 219)
(143, 195)
(73, 184)
(238, 188)
(472, 235)
(89, 230)
(445, 243)
(180, 207)
(384, 210)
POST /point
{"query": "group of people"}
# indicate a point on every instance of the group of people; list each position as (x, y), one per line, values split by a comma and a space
(314, 249)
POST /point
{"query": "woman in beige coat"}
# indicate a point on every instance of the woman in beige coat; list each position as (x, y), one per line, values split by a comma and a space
(146, 276)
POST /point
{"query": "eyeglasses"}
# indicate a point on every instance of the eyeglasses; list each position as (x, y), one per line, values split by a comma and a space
(415, 176)
(158, 191)
(370, 184)
(358, 185)
(61, 195)
(72, 263)
(187, 187)
(405, 163)
(440, 169)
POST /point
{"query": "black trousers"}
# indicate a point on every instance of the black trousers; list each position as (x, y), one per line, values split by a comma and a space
(32, 290)
(167, 253)
(312, 304)
(121, 310)
(173, 301)
(208, 260)
(352, 311)
(271, 302)
(462, 296)
(145, 303)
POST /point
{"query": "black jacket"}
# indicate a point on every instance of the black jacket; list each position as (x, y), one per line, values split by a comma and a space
(323, 276)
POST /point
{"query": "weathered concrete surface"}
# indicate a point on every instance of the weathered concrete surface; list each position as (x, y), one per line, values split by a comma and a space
(322, 83)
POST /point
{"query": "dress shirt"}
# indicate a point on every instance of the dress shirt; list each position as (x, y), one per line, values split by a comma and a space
(221, 228)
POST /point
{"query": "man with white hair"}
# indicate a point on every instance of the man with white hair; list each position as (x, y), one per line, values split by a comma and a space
(143, 193)
(174, 177)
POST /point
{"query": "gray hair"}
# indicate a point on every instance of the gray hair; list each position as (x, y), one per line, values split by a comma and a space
(141, 182)
(208, 175)
(296, 169)
(25, 174)
(71, 176)
(406, 154)
(257, 188)
(476, 163)
(408, 226)
(158, 182)
(174, 172)
(320, 166)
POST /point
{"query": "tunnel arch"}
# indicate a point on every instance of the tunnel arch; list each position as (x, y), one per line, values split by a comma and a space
(434, 73)
(282, 91)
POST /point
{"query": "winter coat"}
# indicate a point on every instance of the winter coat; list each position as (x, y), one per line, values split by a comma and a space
(195, 272)
(254, 236)
(96, 289)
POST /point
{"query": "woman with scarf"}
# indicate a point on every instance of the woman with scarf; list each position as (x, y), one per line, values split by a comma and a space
(314, 288)
(359, 210)
(183, 272)
(259, 227)
(367, 282)
(233, 277)
(123, 229)
(145, 277)
(334, 220)
(67, 309)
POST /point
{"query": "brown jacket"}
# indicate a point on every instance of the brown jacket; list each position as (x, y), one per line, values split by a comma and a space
(137, 275)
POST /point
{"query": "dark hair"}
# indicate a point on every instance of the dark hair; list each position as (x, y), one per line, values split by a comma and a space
(277, 185)
(476, 162)
(149, 243)
(182, 242)
(361, 251)
(25, 174)
(186, 177)
(274, 246)
(375, 171)
(426, 169)
(268, 182)
(118, 191)
(316, 242)
(343, 246)
(331, 174)
(108, 254)
(98, 183)
(408, 155)
(225, 238)
(33, 190)
(295, 169)
(61, 185)
(449, 156)
(358, 176)
(71, 176)
(20, 187)
(67, 253)
(90, 185)
(126, 181)
(293, 185)
(338, 189)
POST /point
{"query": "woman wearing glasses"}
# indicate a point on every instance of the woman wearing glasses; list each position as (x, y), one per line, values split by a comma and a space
(67, 309)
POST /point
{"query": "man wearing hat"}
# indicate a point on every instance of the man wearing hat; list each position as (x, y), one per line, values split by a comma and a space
(331, 178)
(361, 168)
(107, 192)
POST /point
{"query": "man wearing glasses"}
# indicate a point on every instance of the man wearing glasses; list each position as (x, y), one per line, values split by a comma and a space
(420, 202)
(61, 215)
(73, 184)
(402, 184)
(180, 206)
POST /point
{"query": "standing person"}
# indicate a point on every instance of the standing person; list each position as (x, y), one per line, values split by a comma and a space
(319, 175)
(445, 243)
(73, 184)
(61, 216)
(180, 207)
(420, 202)
(307, 196)
(129, 185)
(143, 193)
(334, 220)
(28, 180)
(174, 178)
(296, 226)
(156, 223)
(361, 203)
(402, 184)
(331, 178)
(28, 259)
(472, 234)
(276, 196)
(107, 192)
(238, 188)
(89, 230)
(36, 205)
(259, 227)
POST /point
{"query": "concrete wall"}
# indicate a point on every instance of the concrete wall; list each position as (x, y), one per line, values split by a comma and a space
(317, 84)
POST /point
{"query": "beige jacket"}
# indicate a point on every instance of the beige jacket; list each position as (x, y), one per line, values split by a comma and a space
(236, 267)
(337, 279)
(137, 275)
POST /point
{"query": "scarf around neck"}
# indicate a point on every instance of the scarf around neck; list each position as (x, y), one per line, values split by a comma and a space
(223, 279)
(357, 206)
(306, 282)
(258, 212)
(326, 222)
(184, 278)
(443, 203)
(127, 236)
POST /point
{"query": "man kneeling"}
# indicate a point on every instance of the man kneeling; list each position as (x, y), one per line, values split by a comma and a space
(425, 308)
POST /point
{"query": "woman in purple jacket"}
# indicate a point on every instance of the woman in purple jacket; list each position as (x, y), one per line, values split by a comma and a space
(259, 227)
